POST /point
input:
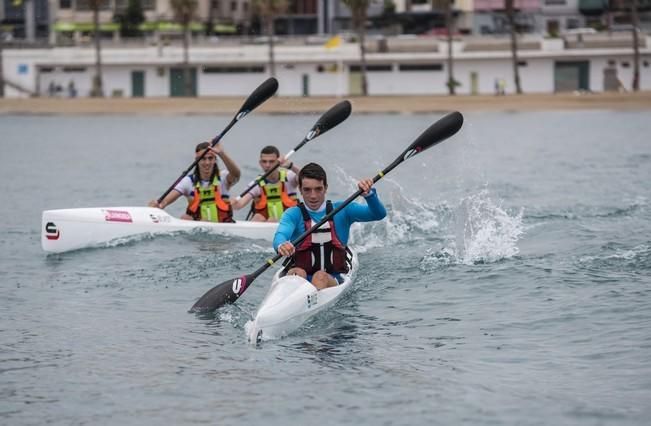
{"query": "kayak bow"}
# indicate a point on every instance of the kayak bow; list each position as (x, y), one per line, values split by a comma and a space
(292, 300)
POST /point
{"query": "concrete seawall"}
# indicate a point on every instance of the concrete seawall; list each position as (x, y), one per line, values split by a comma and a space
(291, 105)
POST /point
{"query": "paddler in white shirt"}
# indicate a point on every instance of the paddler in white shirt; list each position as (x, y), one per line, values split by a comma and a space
(207, 189)
(274, 194)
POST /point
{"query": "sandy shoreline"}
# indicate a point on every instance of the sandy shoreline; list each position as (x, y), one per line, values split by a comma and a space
(289, 105)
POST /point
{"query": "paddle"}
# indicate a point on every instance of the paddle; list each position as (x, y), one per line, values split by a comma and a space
(259, 95)
(328, 120)
(229, 291)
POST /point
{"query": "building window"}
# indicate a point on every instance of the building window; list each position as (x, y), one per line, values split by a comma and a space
(421, 67)
(371, 68)
(74, 69)
(625, 65)
(572, 23)
(45, 70)
(522, 63)
(85, 5)
(233, 6)
(233, 70)
(65, 4)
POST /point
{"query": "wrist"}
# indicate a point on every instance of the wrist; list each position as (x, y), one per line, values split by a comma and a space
(371, 192)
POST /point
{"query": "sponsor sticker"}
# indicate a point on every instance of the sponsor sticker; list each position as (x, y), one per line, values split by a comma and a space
(51, 231)
(117, 216)
(312, 300)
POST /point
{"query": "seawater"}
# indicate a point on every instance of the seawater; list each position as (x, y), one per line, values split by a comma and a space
(509, 284)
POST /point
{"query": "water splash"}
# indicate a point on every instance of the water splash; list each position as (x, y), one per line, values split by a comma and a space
(485, 232)
(476, 230)
(482, 232)
(408, 220)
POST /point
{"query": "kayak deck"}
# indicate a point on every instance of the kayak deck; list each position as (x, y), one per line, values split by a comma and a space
(73, 229)
(291, 301)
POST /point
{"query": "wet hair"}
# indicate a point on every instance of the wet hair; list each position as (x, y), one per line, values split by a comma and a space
(270, 149)
(215, 171)
(312, 171)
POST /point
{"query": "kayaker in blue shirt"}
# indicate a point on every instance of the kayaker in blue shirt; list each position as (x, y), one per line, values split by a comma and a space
(321, 257)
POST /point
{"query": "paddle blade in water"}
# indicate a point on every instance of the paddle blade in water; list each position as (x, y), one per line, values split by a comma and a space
(222, 294)
(259, 95)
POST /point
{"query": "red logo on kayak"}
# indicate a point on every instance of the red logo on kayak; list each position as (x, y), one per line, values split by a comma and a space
(117, 216)
(51, 231)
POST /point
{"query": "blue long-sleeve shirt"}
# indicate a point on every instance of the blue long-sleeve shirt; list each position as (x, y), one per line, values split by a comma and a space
(291, 224)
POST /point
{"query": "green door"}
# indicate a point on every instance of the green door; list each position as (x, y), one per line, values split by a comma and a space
(570, 76)
(474, 83)
(137, 84)
(306, 85)
(177, 82)
(355, 83)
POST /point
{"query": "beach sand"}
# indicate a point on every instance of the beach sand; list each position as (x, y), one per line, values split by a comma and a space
(318, 104)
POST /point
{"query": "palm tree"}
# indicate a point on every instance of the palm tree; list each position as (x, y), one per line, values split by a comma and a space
(2, 79)
(184, 11)
(97, 90)
(510, 14)
(358, 14)
(268, 10)
(450, 25)
(635, 22)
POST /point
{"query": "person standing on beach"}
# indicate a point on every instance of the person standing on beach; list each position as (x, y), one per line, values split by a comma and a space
(502, 85)
(207, 189)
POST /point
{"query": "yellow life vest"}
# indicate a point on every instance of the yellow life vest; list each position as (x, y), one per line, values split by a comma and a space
(208, 203)
(274, 199)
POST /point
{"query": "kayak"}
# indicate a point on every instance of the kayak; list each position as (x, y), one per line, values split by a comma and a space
(292, 300)
(72, 229)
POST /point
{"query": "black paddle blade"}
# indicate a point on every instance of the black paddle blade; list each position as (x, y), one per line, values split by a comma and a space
(259, 95)
(222, 294)
(330, 119)
(436, 133)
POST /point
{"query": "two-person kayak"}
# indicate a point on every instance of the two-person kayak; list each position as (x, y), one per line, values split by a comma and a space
(72, 229)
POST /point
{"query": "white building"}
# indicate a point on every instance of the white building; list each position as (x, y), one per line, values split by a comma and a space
(400, 65)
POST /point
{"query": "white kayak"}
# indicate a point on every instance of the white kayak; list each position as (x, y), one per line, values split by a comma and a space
(72, 229)
(291, 301)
